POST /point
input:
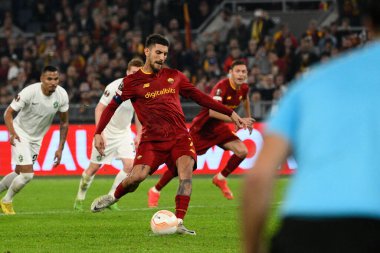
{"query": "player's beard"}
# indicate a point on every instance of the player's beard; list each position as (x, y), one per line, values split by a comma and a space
(154, 68)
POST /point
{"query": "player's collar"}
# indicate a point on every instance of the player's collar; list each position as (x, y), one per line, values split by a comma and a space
(232, 84)
(146, 73)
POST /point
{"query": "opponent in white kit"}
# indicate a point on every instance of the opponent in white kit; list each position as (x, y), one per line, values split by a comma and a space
(118, 136)
(36, 105)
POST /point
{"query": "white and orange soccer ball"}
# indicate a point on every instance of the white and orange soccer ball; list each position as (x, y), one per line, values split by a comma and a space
(164, 222)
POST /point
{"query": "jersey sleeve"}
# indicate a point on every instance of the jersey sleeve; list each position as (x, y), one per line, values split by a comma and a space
(22, 99)
(188, 90)
(124, 91)
(109, 92)
(218, 93)
(65, 102)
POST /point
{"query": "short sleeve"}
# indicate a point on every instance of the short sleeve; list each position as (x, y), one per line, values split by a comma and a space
(125, 90)
(65, 102)
(22, 99)
(284, 121)
(218, 93)
(109, 92)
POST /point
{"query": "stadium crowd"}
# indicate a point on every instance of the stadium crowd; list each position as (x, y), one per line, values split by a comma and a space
(91, 42)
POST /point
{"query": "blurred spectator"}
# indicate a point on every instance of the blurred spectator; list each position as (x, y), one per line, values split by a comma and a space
(8, 27)
(238, 31)
(144, 19)
(260, 26)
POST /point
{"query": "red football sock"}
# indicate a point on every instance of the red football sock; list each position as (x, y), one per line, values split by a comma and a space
(164, 180)
(120, 191)
(181, 205)
(232, 164)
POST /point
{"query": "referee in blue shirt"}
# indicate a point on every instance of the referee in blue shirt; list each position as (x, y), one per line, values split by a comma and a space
(330, 121)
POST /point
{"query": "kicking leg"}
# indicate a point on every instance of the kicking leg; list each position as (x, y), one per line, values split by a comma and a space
(129, 184)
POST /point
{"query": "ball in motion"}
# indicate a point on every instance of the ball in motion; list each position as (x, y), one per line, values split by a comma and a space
(164, 222)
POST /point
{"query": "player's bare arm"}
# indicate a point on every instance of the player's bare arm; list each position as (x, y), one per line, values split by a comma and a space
(63, 129)
(98, 112)
(257, 186)
(8, 118)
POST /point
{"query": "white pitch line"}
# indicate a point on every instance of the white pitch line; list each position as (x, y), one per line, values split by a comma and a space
(125, 210)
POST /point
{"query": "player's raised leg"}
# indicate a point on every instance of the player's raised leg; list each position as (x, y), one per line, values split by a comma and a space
(84, 184)
(129, 184)
(185, 165)
(240, 153)
(154, 192)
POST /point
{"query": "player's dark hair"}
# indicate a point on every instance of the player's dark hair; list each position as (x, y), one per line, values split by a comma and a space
(154, 39)
(372, 10)
(238, 62)
(135, 62)
(49, 68)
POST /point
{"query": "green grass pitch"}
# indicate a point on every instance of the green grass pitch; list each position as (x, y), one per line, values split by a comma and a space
(46, 222)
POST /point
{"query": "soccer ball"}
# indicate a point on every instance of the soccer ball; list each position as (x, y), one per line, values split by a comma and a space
(164, 222)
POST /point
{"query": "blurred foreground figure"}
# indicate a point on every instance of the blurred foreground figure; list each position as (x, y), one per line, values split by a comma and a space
(330, 120)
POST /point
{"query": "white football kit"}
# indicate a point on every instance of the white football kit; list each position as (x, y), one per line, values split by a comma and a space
(118, 134)
(36, 112)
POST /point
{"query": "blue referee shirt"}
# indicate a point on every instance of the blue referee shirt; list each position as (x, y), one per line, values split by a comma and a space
(331, 118)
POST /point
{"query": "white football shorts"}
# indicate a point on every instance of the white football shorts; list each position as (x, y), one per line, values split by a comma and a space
(25, 152)
(119, 147)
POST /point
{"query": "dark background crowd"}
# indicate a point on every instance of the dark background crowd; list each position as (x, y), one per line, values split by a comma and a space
(91, 42)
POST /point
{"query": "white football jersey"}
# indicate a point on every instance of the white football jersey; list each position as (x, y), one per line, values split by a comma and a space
(120, 123)
(36, 111)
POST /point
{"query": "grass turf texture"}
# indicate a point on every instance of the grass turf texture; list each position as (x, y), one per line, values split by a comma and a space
(46, 222)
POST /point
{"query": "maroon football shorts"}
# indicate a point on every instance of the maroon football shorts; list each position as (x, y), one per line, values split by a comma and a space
(206, 138)
(154, 154)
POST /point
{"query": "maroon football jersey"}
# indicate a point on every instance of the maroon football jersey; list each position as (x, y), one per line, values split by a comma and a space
(155, 98)
(227, 95)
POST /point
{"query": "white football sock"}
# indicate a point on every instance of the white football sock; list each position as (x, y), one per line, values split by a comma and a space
(6, 181)
(119, 177)
(220, 176)
(18, 183)
(84, 184)
(154, 189)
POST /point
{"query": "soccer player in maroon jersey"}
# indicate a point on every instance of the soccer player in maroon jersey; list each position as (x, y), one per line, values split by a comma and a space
(209, 129)
(154, 92)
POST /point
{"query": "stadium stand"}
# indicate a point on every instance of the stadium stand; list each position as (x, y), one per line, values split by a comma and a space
(92, 40)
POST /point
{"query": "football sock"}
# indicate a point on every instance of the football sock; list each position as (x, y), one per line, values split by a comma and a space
(181, 205)
(18, 183)
(164, 180)
(119, 177)
(120, 191)
(232, 164)
(219, 176)
(6, 181)
(84, 184)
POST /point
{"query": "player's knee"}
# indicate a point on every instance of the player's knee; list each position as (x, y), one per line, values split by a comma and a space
(27, 176)
(242, 151)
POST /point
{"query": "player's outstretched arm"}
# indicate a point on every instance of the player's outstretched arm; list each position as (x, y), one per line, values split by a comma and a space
(8, 118)
(188, 90)
(63, 129)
